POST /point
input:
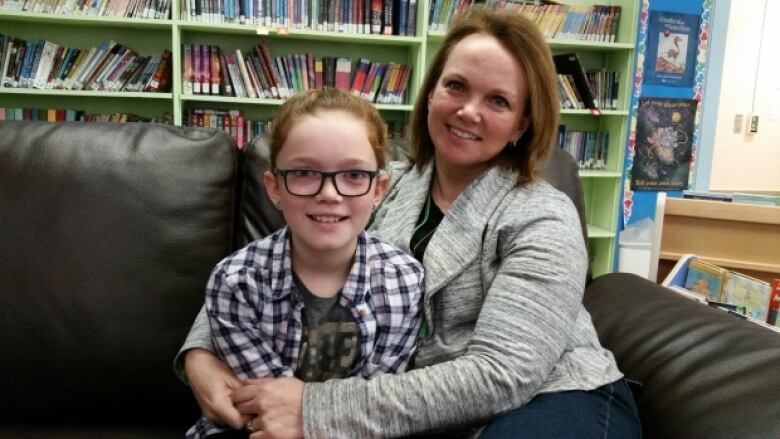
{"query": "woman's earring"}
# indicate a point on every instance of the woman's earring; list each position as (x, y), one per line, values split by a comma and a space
(278, 205)
(511, 144)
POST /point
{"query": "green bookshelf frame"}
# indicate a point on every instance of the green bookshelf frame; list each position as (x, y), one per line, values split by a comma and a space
(149, 37)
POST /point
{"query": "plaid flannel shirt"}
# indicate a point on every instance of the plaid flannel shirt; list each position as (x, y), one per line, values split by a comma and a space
(255, 310)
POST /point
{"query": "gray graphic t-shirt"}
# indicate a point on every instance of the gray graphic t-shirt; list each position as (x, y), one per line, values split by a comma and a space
(331, 341)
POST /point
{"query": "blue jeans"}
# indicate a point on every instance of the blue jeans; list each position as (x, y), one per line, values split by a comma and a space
(608, 412)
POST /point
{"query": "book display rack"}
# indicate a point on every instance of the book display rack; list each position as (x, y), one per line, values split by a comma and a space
(410, 42)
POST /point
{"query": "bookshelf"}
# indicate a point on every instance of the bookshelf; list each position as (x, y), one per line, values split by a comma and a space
(150, 37)
(736, 236)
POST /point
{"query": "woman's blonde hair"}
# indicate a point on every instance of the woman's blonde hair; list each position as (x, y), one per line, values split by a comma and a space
(520, 37)
(328, 99)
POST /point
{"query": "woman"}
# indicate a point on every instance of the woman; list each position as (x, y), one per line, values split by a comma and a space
(508, 340)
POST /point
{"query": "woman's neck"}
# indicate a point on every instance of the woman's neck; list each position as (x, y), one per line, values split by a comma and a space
(448, 185)
(323, 273)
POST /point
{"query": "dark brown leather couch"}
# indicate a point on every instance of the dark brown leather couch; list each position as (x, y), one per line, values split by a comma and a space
(107, 237)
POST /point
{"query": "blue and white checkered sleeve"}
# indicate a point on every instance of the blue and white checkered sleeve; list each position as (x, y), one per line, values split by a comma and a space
(203, 428)
(234, 303)
(402, 309)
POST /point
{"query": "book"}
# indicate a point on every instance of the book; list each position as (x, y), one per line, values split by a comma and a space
(81, 63)
(143, 80)
(235, 75)
(196, 69)
(760, 199)
(256, 76)
(310, 70)
(343, 73)
(41, 75)
(707, 195)
(100, 63)
(705, 279)
(387, 17)
(10, 49)
(265, 67)
(569, 64)
(225, 88)
(361, 71)
(403, 84)
(105, 69)
(205, 68)
(62, 65)
(94, 57)
(329, 71)
(214, 66)
(111, 82)
(135, 72)
(273, 71)
(318, 73)
(390, 69)
(187, 76)
(774, 304)
(285, 89)
(59, 59)
(244, 75)
(376, 16)
(378, 78)
(161, 78)
(287, 68)
(34, 60)
(753, 294)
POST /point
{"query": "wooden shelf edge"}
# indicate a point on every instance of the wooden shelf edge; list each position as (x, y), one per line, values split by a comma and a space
(719, 210)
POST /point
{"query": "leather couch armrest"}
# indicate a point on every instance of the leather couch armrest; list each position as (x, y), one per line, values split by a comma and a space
(704, 373)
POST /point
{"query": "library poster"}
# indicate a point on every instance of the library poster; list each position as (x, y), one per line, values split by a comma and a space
(671, 49)
(664, 130)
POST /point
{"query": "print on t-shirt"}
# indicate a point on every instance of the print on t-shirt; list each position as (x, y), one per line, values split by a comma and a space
(330, 343)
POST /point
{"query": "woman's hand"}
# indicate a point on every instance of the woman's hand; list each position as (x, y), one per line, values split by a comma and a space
(213, 383)
(277, 404)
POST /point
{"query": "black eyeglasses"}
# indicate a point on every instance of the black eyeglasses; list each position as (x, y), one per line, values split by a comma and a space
(308, 182)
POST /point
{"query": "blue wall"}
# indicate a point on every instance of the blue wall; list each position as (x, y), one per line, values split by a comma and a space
(644, 201)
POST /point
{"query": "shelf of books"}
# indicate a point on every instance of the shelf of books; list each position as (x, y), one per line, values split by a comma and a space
(230, 64)
(706, 281)
(593, 49)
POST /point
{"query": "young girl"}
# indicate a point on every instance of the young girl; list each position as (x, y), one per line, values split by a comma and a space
(320, 298)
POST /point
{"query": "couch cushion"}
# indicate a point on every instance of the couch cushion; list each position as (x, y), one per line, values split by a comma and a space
(561, 171)
(705, 374)
(108, 234)
(260, 217)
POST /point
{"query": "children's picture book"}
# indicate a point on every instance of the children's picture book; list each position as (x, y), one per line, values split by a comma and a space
(705, 279)
(671, 49)
(753, 294)
(760, 199)
(774, 304)
(664, 131)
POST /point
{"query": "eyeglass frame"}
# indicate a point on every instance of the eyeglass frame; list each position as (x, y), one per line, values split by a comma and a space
(323, 176)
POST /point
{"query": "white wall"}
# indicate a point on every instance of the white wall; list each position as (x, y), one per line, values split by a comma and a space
(743, 161)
